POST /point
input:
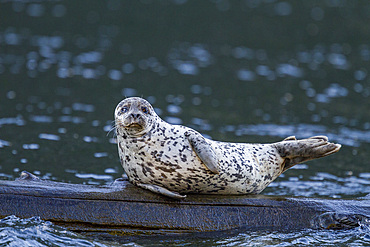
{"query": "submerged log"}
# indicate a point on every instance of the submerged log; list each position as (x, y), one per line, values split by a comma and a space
(123, 209)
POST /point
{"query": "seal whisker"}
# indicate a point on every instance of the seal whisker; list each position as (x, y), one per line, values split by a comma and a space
(114, 133)
(113, 128)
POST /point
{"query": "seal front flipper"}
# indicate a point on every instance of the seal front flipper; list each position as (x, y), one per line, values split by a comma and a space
(203, 149)
(160, 190)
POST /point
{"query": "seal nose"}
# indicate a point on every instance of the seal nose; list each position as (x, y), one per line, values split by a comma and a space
(135, 116)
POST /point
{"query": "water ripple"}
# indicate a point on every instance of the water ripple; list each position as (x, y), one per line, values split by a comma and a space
(50, 137)
(93, 176)
(16, 121)
(31, 146)
(322, 184)
(83, 107)
(41, 119)
(36, 232)
(4, 143)
(344, 135)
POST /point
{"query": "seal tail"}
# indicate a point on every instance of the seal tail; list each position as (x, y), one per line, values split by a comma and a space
(297, 151)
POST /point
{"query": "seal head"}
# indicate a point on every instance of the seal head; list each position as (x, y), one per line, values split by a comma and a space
(134, 117)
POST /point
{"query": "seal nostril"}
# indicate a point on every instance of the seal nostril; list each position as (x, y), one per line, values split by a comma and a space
(135, 115)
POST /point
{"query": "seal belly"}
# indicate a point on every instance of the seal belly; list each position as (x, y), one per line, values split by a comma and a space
(247, 168)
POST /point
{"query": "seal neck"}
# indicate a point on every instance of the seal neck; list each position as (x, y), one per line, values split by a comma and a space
(139, 134)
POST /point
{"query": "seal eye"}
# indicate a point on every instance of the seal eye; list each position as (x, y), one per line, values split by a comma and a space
(144, 109)
(124, 109)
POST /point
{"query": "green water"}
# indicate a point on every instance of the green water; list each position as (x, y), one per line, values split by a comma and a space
(241, 71)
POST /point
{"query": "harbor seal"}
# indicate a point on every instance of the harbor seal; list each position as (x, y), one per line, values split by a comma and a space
(174, 160)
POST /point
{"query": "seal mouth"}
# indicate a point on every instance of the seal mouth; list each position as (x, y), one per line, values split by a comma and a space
(135, 130)
(134, 126)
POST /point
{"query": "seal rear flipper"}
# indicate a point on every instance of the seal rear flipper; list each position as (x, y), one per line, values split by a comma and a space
(298, 151)
(203, 149)
(160, 190)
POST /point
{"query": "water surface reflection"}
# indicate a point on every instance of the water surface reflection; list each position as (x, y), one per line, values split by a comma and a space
(241, 71)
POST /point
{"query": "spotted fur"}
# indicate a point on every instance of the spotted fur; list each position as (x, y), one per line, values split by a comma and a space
(155, 154)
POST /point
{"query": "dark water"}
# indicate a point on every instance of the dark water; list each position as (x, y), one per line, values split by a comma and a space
(241, 71)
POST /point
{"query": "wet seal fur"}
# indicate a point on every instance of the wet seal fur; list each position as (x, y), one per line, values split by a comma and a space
(173, 160)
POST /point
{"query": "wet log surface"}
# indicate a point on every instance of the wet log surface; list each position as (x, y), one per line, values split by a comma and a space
(123, 209)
